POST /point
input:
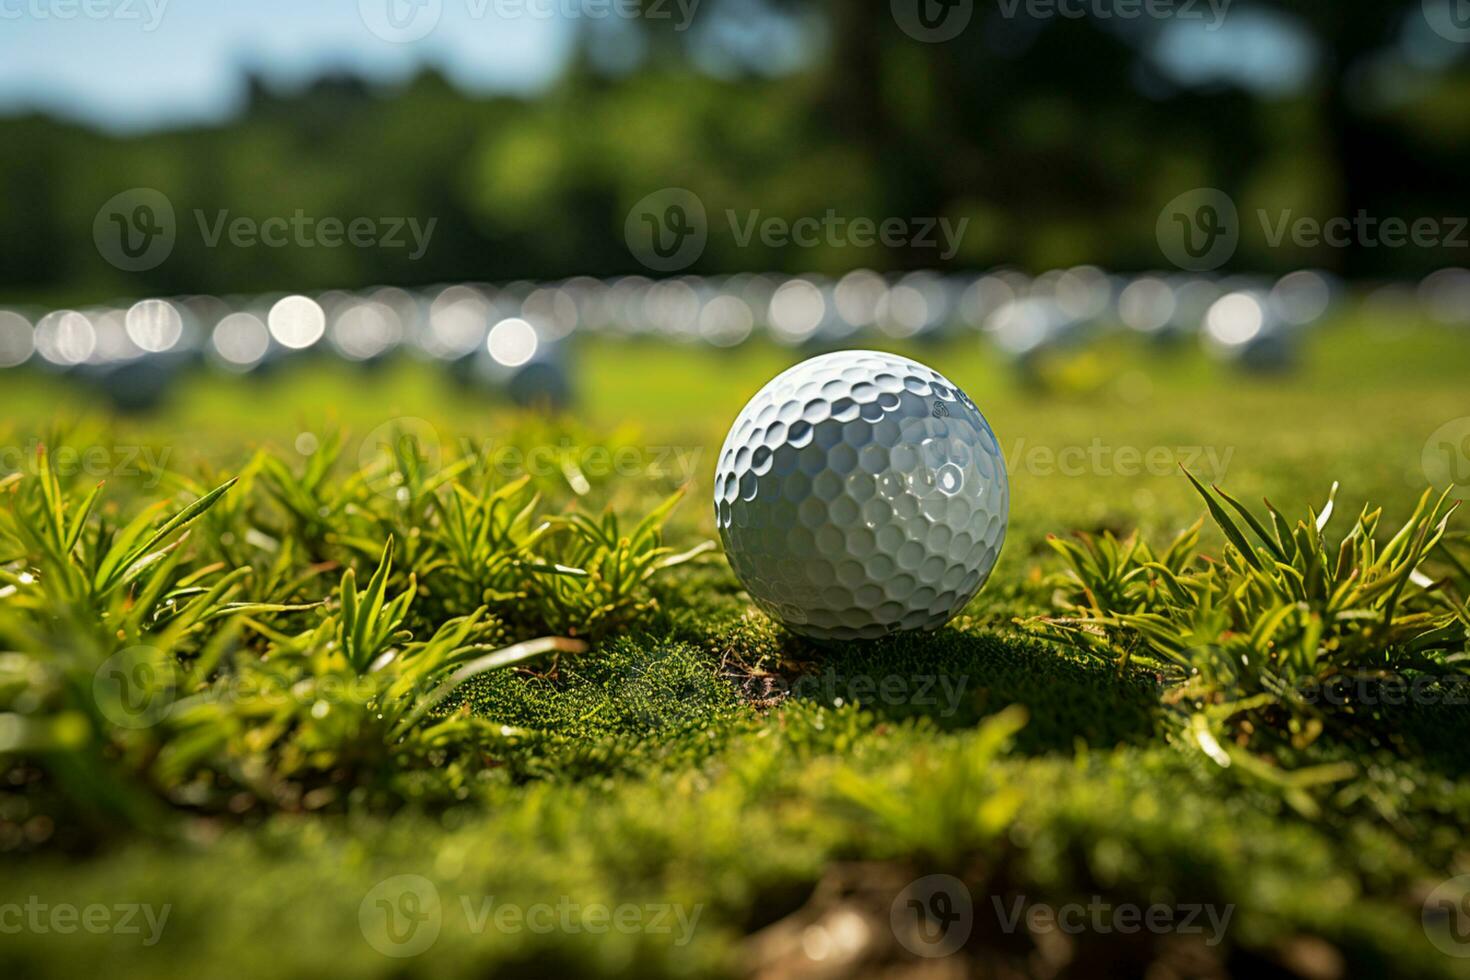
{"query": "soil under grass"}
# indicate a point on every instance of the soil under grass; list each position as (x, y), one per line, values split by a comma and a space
(770, 803)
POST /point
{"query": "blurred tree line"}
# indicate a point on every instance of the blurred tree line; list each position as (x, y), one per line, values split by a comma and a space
(1058, 139)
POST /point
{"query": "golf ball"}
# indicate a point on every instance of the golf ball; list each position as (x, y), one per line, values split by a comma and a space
(860, 493)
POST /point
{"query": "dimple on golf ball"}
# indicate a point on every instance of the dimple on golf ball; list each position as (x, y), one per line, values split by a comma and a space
(860, 493)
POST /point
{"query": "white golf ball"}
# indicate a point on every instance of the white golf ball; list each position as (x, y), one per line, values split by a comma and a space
(859, 493)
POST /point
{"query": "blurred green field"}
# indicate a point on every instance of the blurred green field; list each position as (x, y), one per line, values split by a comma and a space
(1364, 395)
(666, 768)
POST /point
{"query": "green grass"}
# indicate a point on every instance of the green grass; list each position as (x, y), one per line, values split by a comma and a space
(343, 638)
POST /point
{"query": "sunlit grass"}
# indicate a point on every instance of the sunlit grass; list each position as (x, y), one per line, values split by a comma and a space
(353, 658)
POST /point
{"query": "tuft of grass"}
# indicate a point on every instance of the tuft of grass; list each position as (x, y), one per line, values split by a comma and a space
(1249, 641)
(601, 580)
(302, 651)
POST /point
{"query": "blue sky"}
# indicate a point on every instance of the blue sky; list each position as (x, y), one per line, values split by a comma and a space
(137, 64)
